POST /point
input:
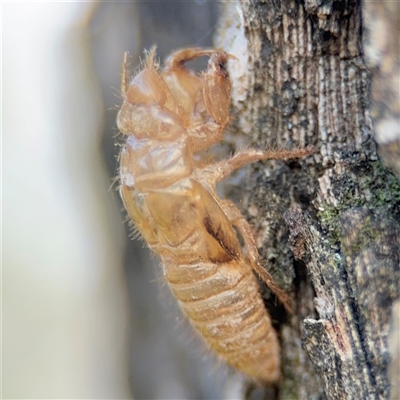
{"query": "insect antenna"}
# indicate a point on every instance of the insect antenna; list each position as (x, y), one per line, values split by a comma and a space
(150, 58)
(124, 77)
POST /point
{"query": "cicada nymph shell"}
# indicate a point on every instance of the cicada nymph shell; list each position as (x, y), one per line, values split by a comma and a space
(169, 116)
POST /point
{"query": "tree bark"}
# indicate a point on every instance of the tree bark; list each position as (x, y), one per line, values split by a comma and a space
(327, 226)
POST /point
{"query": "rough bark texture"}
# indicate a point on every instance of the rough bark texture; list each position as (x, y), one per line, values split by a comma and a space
(328, 226)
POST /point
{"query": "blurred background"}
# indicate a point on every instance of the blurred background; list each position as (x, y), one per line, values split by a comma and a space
(85, 313)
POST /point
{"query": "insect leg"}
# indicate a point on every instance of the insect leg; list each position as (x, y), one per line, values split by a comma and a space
(236, 218)
(220, 170)
(181, 56)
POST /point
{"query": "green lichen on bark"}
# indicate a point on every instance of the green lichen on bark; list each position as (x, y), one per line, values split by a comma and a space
(365, 184)
(354, 262)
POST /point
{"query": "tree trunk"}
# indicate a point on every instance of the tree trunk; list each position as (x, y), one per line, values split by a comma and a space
(327, 226)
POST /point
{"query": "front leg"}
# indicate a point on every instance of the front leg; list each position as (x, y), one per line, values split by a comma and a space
(236, 218)
(217, 88)
(217, 171)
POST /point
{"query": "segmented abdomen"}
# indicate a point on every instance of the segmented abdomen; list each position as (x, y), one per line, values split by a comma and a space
(224, 305)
